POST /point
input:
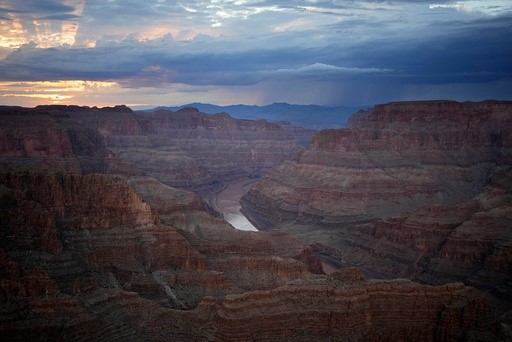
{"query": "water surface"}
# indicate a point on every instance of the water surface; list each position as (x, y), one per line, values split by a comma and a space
(228, 203)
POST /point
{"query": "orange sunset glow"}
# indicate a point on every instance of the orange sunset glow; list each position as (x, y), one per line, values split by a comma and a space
(51, 92)
(163, 52)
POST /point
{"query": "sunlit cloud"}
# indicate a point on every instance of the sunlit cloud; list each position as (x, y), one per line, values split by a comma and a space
(158, 51)
(54, 98)
(489, 7)
(188, 9)
(296, 25)
(52, 91)
(48, 24)
(12, 34)
(220, 13)
(327, 69)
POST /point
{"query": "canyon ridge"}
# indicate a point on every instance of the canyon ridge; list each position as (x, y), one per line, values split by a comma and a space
(420, 190)
(109, 231)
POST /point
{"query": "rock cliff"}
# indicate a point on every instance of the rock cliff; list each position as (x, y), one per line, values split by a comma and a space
(349, 310)
(123, 256)
(399, 156)
(186, 149)
(86, 257)
(38, 138)
(418, 189)
(199, 151)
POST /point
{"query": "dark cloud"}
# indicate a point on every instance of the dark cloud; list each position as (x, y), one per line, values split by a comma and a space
(62, 16)
(160, 60)
(479, 53)
(35, 6)
(335, 50)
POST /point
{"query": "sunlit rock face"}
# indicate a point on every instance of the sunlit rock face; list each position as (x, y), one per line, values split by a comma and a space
(417, 189)
(86, 257)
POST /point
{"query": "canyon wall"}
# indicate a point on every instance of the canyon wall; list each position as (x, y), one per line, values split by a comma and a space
(123, 256)
(399, 156)
(43, 139)
(199, 151)
(186, 149)
(337, 308)
(419, 189)
(189, 149)
(87, 258)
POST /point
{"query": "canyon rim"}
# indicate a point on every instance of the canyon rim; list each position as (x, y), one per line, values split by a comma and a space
(110, 229)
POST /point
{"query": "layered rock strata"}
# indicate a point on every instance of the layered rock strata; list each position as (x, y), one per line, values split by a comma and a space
(186, 149)
(198, 151)
(126, 257)
(86, 258)
(410, 190)
(52, 140)
(351, 310)
(399, 156)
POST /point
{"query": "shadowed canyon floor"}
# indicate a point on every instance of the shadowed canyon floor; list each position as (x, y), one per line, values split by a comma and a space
(98, 243)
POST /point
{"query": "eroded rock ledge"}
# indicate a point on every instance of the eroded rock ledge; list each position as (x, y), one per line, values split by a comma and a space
(414, 189)
(85, 257)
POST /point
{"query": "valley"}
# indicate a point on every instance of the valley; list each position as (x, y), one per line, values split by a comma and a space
(397, 227)
(418, 190)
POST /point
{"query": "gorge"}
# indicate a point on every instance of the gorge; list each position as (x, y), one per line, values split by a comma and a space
(111, 225)
(419, 190)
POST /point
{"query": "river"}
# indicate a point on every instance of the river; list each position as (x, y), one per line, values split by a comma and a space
(228, 203)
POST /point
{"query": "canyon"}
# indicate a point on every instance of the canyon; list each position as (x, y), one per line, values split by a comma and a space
(308, 116)
(419, 190)
(110, 229)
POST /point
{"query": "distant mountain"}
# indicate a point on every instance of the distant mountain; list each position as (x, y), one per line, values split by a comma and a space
(308, 116)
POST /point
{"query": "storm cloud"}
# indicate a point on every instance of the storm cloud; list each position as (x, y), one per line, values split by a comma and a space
(380, 50)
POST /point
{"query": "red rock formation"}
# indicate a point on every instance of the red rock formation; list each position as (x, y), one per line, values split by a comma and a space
(415, 189)
(187, 148)
(102, 224)
(73, 200)
(111, 243)
(128, 258)
(36, 138)
(17, 284)
(197, 151)
(401, 156)
(360, 310)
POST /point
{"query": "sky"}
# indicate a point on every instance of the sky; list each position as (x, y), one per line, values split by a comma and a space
(160, 52)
